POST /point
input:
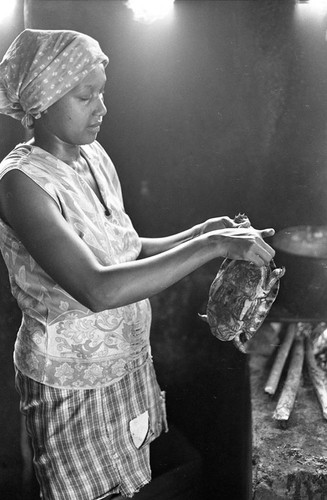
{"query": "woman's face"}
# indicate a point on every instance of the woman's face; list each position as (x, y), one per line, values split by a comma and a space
(76, 118)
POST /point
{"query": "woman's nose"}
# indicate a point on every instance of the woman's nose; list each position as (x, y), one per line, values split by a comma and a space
(101, 107)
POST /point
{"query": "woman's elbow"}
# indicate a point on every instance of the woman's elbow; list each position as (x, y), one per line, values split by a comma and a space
(94, 299)
(98, 293)
(97, 302)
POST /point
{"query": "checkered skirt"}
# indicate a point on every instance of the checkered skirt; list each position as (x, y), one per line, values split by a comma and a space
(82, 444)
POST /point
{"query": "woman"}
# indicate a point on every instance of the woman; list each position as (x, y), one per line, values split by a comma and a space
(82, 276)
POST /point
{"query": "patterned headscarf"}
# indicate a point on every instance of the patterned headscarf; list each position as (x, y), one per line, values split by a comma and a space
(40, 67)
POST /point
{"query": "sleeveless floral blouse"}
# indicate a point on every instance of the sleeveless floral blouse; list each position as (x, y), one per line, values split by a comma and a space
(60, 342)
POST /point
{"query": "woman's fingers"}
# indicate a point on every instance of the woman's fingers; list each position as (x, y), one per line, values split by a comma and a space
(261, 253)
(266, 233)
(265, 247)
(258, 260)
(246, 244)
(255, 248)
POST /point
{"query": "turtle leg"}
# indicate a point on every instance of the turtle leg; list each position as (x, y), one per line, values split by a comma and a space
(238, 343)
(275, 275)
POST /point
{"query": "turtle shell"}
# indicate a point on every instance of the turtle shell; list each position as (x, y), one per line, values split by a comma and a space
(240, 298)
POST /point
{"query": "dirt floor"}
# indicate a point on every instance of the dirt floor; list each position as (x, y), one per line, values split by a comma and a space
(288, 463)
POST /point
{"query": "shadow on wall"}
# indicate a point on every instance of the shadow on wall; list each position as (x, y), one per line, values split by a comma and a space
(207, 386)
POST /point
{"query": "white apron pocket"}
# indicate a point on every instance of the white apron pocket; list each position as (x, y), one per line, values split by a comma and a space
(139, 428)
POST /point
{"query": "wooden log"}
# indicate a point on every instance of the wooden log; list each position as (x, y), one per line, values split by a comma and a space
(280, 359)
(291, 463)
(288, 395)
(317, 376)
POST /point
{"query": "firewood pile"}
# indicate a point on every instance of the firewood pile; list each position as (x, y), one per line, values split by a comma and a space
(304, 345)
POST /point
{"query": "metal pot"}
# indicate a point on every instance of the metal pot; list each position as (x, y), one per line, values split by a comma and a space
(303, 288)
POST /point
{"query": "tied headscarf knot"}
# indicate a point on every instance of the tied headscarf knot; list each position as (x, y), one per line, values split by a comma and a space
(28, 120)
(34, 74)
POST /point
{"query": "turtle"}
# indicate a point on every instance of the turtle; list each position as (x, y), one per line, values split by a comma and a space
(240, 298)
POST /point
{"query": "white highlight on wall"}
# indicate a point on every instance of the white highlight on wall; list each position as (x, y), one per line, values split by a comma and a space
(7, 8)
(318, 6)
(148, 11)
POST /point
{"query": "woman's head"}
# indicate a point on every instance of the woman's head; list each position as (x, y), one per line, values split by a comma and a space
(76, 117)
(41, 67)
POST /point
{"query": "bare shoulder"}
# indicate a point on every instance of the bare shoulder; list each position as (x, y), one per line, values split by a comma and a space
(22, 200)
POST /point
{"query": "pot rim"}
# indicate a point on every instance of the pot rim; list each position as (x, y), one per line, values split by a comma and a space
(288, 231)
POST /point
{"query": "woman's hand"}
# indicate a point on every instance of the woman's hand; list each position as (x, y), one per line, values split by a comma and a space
(224, 222)
(214, 224)
(244, 244)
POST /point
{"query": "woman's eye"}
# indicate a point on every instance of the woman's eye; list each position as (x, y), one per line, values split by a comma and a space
(89, 97)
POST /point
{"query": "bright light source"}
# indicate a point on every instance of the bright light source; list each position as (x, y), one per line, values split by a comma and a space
(150, 10)
(7, 8)
(318, 4)
(314, 5)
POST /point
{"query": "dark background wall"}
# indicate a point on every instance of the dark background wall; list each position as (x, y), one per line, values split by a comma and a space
(219, 109)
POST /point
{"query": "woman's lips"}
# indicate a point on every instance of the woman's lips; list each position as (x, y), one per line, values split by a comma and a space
(95, 126)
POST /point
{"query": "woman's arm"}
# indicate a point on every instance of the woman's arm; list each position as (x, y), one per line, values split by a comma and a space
(154, 246)
(50, 240)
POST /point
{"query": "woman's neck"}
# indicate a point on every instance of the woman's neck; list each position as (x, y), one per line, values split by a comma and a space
(65, 152)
